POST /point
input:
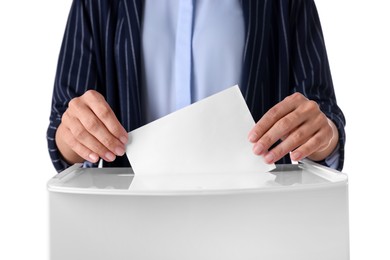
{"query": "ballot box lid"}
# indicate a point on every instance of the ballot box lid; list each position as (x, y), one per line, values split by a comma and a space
(122, 181)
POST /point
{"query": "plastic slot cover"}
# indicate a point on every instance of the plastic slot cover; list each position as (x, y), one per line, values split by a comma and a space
(122, 181)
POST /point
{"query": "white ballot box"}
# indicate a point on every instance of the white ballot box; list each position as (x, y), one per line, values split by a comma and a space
(293, 212)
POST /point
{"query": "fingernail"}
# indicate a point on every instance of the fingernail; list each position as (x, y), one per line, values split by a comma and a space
(110, 156)
(258, 149)
(295, 156)
(94, 157)
(123, 139)
(252, 137)
(119, 151)
(269, 158)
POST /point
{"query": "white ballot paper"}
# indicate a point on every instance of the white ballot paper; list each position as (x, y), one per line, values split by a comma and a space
(207, 137)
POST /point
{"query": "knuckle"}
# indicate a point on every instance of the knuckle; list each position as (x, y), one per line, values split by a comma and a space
(91, 124)
(108, 142)
(273, 113)
(116, 130)
(312, 106)
(258, 130)
(91, 94)
(65, 117)
(279, 152)
(297, 137)
(104, 113)
(284, 124)
(296, 96)
(267, 140)
(99, 149)
(74, 102)
(79, 133)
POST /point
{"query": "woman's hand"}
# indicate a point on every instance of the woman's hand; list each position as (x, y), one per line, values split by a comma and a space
(89, 129)
(301, 126)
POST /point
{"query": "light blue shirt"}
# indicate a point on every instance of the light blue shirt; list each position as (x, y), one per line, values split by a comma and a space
(191, 49)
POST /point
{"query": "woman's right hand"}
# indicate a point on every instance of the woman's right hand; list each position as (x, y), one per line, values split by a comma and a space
(89, 129)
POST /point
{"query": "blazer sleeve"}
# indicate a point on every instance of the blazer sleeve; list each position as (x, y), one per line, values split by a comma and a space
(76, 71)
(310, 71)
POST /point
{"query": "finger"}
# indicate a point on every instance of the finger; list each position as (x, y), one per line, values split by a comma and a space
(103, 111)
(93, 131)
(77, 147)
(312, 145)
(319, 142)
(81, 136)
(280, 130)
(273, 115)
(297, 137)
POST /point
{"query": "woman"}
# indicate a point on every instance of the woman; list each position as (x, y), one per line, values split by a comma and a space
(125, 63)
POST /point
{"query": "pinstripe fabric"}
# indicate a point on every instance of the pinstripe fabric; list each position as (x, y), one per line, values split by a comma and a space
(284, 52)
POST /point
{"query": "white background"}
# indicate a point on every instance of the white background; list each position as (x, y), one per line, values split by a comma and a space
(357, 35)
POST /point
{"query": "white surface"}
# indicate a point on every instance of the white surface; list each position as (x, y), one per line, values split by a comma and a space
(357, 38)
(296, 214)
(209, 136)
(275, 226)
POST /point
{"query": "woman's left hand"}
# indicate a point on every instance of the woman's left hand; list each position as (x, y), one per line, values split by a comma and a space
(304, 130)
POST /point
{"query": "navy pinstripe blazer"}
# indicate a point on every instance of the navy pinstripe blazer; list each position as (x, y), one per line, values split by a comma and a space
(284, 53)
